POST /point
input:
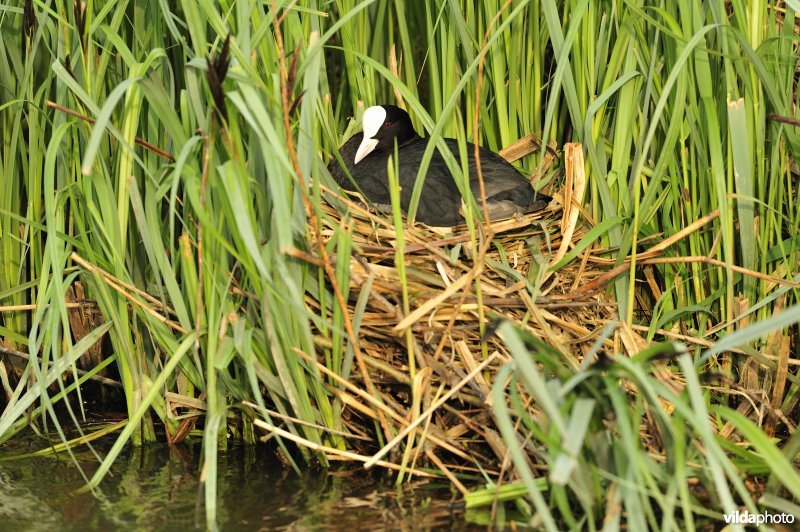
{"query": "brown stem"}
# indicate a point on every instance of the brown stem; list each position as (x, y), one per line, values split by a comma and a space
(203, 181)
(25, 356)
(478, 265)
(477, 115)
(784, 119)
(315, 222)
(140, 141)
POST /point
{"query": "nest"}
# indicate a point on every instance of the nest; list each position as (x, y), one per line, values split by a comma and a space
(456, 288)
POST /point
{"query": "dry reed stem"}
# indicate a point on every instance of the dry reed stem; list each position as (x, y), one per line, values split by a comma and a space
(429, 305)
(444, 469)
(574, 190)
(120, 283)
(97, 378)
(125, 290)
(140, 141)
(297, 421)
(199, 230)
(431, 409)
(779, 384)
(378, 404)
(521, 147)
(20, 308)
(336, 452)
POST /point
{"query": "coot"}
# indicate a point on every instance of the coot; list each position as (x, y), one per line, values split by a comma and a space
(507, 191)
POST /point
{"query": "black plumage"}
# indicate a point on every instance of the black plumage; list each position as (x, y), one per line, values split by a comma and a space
(507, 191)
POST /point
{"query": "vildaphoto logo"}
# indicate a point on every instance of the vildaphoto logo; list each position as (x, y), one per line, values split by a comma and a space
(766, 518)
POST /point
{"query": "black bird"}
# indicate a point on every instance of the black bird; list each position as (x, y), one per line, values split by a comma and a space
(508, 192)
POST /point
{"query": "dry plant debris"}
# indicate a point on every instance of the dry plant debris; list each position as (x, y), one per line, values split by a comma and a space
(454, 295)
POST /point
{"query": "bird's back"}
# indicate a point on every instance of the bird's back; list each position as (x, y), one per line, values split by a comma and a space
(508, 192)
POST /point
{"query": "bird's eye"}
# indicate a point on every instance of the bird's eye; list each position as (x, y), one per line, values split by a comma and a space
(387, 125)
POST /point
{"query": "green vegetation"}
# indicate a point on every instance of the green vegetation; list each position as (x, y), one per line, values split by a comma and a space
(219, 269)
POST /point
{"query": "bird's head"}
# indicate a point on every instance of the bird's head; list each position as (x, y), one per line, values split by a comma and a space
(382, 124)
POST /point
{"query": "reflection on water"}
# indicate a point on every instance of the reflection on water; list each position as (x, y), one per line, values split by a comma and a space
(157, 488)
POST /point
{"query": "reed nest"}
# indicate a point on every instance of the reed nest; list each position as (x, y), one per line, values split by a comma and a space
(426, 357)
(456, 287)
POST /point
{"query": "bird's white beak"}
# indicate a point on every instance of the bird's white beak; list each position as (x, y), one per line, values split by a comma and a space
(371, 123)
(365, 148)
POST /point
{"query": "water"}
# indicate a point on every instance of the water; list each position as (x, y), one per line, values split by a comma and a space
(157, 488)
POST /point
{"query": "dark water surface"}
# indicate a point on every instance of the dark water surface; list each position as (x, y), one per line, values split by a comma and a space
(157, 488)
